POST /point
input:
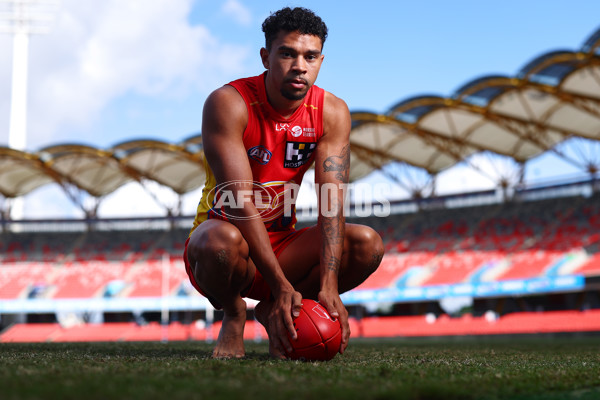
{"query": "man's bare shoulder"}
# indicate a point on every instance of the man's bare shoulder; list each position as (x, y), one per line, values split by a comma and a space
(224, 107)
(332, 103)
(226, 96)
(336, 114)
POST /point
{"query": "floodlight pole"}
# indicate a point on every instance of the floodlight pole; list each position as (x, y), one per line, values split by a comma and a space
(21, 18)
(17, 136)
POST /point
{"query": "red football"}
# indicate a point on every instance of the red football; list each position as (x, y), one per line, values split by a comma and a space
(319, 335)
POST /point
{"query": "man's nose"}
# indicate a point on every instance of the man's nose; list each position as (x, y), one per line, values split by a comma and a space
(299, 64)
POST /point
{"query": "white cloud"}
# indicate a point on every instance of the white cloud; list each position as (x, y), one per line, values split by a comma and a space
(240, 13)
(98, 51)
(481, 171)
(49, 201)
(462, 178)
(131, 200)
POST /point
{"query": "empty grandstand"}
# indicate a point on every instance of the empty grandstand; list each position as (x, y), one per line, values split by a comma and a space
(518, 259)
(511, 259)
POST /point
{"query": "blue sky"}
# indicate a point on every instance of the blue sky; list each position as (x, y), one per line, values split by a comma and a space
(377, 53)
(119, 70)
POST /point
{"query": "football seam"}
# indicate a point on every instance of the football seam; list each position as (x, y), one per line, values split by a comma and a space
(316, 329)
(323, 340)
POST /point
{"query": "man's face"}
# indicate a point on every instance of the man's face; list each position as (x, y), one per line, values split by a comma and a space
(293, 63)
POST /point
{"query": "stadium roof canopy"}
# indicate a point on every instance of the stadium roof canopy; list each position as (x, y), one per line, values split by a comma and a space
(555, 97)
(100, 172)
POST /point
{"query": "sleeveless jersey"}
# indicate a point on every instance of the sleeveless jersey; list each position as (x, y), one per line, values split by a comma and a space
(280, 150)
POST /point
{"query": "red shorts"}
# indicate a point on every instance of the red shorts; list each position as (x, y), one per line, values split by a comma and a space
(258, 289)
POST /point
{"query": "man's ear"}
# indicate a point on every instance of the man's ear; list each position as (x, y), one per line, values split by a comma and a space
(264, 56)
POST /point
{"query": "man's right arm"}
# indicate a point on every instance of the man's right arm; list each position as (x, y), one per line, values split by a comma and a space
(224, 120)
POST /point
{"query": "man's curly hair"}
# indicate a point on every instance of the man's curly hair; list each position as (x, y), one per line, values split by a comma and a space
(298, 19)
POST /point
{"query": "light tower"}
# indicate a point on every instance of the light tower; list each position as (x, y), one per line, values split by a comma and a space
(21, 18)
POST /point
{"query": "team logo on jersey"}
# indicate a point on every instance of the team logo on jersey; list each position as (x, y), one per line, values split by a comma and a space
(260, 154)
(297, 154)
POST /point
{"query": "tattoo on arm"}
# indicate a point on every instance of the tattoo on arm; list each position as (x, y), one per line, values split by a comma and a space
(340, 164)
(333, 264)
(332, 234)
(331, 230)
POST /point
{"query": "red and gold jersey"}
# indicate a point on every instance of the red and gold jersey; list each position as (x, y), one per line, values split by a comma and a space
(279, 150)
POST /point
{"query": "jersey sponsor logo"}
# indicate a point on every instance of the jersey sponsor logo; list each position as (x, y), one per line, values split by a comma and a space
(296, 131)
(309, 132)
(260, 154)
(281, 127)
(297, 154)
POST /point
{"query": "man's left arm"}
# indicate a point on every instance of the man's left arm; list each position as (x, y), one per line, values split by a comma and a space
(332, 165)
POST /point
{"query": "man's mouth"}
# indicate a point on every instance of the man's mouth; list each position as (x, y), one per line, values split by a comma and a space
(297, 83)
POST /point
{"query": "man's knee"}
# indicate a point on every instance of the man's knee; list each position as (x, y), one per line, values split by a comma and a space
(219, 247)
(366, 247)
(211, 241)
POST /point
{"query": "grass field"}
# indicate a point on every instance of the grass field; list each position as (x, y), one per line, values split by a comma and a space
(479, 368)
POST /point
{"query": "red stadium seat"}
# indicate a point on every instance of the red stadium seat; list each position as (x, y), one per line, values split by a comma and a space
(29, 333)
(109, 332)
(154, 331)
(529, 264)
(16, 279)
(591, 266)
(146, 278)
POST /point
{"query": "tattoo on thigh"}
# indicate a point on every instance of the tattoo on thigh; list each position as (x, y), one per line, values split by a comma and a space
(375, 260)
(222, 257)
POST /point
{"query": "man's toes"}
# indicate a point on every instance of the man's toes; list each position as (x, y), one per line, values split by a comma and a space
(227, 356)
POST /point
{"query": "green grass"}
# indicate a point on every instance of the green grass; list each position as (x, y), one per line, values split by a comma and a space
(492, 368)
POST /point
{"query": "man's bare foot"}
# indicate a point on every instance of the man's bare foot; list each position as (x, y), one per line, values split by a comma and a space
(261, 311)
(230, 343)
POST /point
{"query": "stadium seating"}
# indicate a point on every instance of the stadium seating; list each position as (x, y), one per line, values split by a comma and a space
(84, 279)
(93, 333)
(437, 247)
(146, 278)
(29, 333)
(18, 280)
(429, 248)
(454, 267)
(591, 267)
(528, 264)
(370, 327)
(394, 267)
